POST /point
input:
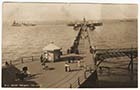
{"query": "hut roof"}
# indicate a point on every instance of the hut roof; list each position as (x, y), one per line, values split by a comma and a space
(51, 47)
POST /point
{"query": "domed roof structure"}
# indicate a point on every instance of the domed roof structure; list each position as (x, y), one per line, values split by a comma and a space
(51, 47)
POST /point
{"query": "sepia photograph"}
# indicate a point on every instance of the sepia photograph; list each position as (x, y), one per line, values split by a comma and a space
(69, 45)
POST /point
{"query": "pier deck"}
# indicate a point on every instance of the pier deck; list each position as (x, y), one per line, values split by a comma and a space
(55, 76)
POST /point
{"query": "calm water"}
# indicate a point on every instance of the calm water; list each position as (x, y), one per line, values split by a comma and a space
(24, 41)
(28, 40)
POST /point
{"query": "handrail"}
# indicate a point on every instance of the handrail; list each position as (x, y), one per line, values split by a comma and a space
(83, 77)
(21, 60)
(75, 84)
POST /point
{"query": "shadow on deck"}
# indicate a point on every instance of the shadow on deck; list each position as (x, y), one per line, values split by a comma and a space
(93, 82)
(70, 57)
(9, 78)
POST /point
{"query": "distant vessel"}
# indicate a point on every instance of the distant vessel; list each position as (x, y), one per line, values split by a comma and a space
(24, 24)
(16, 24)
(29, 24)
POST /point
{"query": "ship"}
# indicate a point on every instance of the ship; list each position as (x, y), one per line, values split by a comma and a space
(24, 24)
(16, 24)
(29, 24)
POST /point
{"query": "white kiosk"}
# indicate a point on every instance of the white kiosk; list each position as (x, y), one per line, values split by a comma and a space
(53, 52)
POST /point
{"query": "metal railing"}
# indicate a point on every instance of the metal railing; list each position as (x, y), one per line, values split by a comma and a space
(89, 69)
(21, 60)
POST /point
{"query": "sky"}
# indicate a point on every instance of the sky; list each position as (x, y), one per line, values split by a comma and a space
(67, 12)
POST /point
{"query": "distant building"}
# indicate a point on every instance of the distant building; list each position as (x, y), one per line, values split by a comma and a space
(53, 52)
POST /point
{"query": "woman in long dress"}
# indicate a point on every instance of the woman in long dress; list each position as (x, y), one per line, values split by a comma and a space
(44, 59)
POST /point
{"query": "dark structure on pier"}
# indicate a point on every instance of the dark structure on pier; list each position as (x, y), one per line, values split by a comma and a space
(102, 54)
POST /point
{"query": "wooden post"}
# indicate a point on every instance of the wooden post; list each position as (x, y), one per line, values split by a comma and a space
(70, 85)
(129, 65)
(85, 76)
(78, 81)
(32, 58)
(90, 69)
(131, 57)
(11, 62)
(95, 59)
(22, 60)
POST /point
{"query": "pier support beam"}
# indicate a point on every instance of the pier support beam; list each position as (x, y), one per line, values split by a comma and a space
(131, 57)
(130, 65)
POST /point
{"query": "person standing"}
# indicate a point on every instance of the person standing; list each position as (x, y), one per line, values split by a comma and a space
(68, 51)
(67, 67)
(6, 64)
(41, 58)
(79, 63)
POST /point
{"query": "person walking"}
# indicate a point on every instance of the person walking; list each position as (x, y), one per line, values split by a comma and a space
(45, 59)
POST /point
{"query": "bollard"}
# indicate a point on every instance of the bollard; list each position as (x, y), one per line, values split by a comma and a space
(78, 81)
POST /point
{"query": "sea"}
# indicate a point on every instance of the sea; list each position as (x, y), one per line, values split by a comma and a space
(20, 41)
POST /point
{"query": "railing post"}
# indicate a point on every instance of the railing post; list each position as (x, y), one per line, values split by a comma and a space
(90, 69)
(70, 85)
(131, 60)
(85, 76)
(32, 58)
(78, 81)
(22, 60)
(11, 62)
